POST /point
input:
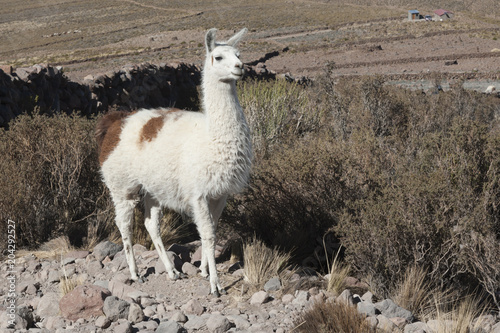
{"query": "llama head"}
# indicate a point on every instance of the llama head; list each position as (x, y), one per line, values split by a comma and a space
(222, 61)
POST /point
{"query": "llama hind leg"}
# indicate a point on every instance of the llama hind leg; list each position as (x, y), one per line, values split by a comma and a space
(152, 223)
(124, 221)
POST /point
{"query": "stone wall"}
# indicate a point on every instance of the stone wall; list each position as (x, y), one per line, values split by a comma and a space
(136, 86)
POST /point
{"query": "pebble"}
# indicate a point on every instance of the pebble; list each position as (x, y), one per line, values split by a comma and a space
(162, 305)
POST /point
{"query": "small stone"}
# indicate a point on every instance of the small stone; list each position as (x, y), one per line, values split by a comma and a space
(169, 326)
(417, 327)
(367, 297)
(193, 307)
(367, 308)
(239, 321)
(218, 323)
(102, 322)
(123, 327)
(84, 301)
(190, 269)
(115, 308)
(48, 305)
(273, 284)
(259, 297)
(345, 297)
(179, 317)
(135, 313)
(385, 324)
(106, 249)
(288, 298)
(196, 322)
(301, 297)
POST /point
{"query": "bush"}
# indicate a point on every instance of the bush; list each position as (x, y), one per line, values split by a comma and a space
(50, 180)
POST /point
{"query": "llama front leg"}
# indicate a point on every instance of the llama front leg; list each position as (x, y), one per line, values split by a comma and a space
(216, 206)
(152, 223)
(124, 221)
(206, 228)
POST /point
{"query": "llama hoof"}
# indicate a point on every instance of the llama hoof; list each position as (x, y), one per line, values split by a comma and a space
(218, 292)
(182, 276)
(141, 279)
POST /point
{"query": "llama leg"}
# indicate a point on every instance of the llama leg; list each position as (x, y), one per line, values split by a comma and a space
(124, 221)
(206, 228)
(216, 206)
(152, 223)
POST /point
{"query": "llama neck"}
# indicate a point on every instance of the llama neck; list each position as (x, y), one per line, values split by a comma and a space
(225, 119)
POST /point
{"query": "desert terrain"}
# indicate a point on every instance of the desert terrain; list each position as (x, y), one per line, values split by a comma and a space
(300, 37)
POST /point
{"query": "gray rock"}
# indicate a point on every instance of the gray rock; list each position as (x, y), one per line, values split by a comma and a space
(190, 269)
(367, 297)
(385, 325)
(170, 326)
(123, 327)
(496, 328)
(390, 309)
(196, 322)
(239, 321)
(218, 323)
(367, 308)
(301, 297)
(273, 284)
(106, 249)
(259, 297)
(417, 327)
(193, 307)
(345, 297)
(48, 305)
(135, 314)
(115, 308)
(102, 322)
(179, 317)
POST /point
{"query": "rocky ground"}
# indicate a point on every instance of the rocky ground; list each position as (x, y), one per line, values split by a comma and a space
(106, 300)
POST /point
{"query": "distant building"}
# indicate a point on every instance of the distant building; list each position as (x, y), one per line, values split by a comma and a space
(413, 15)
(441, 14)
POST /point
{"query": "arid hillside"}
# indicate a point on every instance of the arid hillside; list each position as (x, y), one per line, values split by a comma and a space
(360, 37)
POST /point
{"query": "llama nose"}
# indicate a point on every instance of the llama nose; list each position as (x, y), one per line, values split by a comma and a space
(239, 65)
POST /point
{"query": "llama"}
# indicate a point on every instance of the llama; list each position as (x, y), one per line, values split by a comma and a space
(186, 161)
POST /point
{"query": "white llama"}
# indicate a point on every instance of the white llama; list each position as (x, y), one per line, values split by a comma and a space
(186, 161)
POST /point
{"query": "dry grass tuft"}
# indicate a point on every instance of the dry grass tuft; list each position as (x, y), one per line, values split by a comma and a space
(331, 318)
(417, 293)
(52, 249)
(338, 273)
(461, 318)
(262, 263)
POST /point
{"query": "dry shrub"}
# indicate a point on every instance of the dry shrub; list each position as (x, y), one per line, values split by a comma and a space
(262, 263)
(331, 317)
(277, 112)
(50, 180)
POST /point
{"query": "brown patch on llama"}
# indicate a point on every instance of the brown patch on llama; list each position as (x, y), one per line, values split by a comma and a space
(154, 125)
(108, 131)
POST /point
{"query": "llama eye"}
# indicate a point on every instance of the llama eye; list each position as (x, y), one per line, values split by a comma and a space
(219, 58)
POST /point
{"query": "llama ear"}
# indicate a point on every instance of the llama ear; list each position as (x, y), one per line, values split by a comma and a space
(236, 38)
(210, 39)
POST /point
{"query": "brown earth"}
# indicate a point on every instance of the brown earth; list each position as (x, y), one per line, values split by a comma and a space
(304, 35)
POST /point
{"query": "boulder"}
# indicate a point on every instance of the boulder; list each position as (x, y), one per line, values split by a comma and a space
(193, 307)
(115, 308)
(259, 297)
(169, 326)
(106, 249)
(273, 284)
(390, 309)
(218, 323)
(84, 301)
(48, 305)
